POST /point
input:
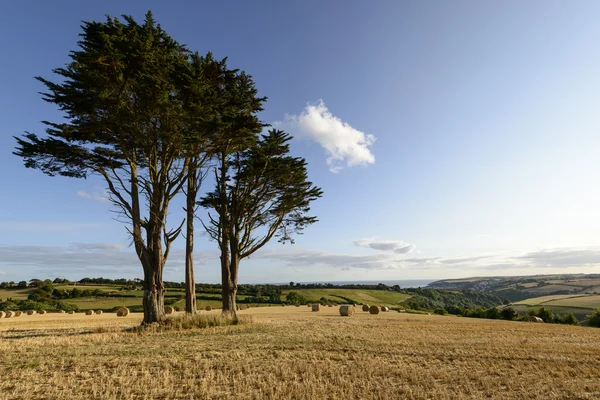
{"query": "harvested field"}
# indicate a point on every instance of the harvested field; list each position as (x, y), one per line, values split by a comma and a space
(293, 353)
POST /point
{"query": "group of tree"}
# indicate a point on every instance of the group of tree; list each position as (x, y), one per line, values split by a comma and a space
(152, 119)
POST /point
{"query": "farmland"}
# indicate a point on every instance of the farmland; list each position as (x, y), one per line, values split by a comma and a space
(580, 305)
(293, 353)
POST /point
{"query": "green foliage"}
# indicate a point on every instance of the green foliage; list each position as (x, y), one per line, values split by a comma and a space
(567, 319)
(454, 301)
(295, 298)
(440, 311)
(594, 318)
(508, 313)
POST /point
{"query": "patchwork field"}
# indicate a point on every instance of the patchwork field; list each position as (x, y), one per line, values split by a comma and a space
(578, 304)
(293, 353)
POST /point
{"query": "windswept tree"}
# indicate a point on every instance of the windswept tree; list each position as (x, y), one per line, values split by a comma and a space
(125, 121)
(263, 193)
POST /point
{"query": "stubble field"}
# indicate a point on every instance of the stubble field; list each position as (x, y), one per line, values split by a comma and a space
(293, 353)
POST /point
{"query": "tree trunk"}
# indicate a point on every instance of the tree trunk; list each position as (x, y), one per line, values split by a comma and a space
(230, 292)
(190, 284)
(154, 296)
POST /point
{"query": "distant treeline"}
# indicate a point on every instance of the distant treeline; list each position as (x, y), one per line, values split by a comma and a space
(247, 289)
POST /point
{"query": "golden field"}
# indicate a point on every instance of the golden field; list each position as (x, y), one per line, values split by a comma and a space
(293, 353)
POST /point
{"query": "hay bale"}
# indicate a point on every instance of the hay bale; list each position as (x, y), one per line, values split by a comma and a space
(316, 307)
(297, 305)
(70, 312)
(169, 310)
(208, 308)
(61, 311)
(8, 314)
(2, 314)
(385, 309)
(373, 310)
(330, 305)
(18, 313)
(99, 312)
(89, 312)
(42, 312)
(401, 311)
(243, 307)
(346, 310)
(532, 318)
(123, 312)
(30, 312)
(365, 307)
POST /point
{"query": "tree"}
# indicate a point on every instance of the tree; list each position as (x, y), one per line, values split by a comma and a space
(594, 318)
(200, 99)
(124, 123)
(261, 192)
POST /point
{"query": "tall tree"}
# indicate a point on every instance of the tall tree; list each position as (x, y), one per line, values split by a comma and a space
(125, 122)
(200, 101)
(264, 193)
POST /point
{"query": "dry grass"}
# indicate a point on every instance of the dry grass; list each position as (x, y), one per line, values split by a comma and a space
(293, 353)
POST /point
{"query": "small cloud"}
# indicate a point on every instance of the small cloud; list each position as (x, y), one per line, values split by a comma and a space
(463, 260)
(98, 246)
(97, 194)
(397, 246)
(343, 144)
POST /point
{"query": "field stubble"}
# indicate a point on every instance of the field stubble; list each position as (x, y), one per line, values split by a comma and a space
(292, 353)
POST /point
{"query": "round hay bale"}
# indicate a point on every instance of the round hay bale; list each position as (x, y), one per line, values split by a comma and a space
(18, 313)
(283, 305)
(297, 305)
(331, 305)
(98, 312)
(365, 307)
(61, 311)
(385, 309)
(123, 312)
(308, 305)
(71, 312)
(401, 311)
(2, 314)
(316, 307)
(373, 310)
(244, 307)
(42, 312)
(8, 314)
(30, 312)
(346, 311)
(89, 312)
(169, 310)
(208, 308)
(533, 318)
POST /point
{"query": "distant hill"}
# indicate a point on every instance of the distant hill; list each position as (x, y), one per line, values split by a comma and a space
(516, 288)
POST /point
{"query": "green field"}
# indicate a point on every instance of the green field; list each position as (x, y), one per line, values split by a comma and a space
(207, 299)
(357, 295)
(579, 305)
(17, 294)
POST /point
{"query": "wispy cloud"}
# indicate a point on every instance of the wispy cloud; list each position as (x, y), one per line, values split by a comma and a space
(563, 257)
(397, 246)
(463, 260)
(343, 144)
(97, 194)
(312, 258)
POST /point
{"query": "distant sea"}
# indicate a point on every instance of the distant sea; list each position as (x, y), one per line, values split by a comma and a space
(408, 283)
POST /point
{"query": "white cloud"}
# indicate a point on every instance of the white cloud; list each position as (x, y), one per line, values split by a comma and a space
(343, 144)
(97, 194)
(564, 257)
(397, 246)
(45, 226)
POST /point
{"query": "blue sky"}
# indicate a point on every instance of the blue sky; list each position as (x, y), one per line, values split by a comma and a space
(451, 139)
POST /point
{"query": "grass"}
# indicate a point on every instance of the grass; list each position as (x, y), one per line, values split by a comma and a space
(542, 300)
(16, 294)
(358, 295)
(293, 353)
